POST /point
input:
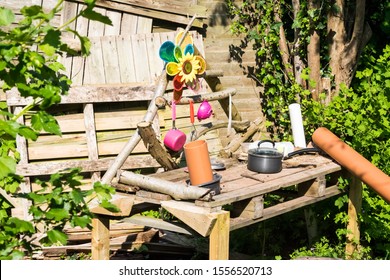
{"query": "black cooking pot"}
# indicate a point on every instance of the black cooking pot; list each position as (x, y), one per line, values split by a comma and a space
(265, 160)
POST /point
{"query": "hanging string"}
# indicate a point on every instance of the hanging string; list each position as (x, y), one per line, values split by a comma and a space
(229, 127)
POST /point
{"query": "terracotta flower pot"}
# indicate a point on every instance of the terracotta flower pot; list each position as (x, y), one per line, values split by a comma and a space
(353, 161)
(198, 162)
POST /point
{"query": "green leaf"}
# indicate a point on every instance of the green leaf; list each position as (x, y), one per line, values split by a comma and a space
(51, 42)
(56, 236)
(6, 16)
(20, 225)
(90, 14)
(28, 133)
(31, 11)
(44, 121)
(57, 214)
(84, 42)
(7, 166)
(83, 221)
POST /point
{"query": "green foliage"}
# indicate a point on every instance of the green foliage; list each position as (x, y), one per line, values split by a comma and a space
(29, 52)
(359, 115)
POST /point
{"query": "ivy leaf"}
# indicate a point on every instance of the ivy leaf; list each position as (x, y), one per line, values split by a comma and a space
(7, 166)
(56, 236)
(6, 16)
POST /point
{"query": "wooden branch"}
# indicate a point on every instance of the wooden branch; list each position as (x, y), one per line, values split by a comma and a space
(93, 94)
(176, 190)
(207, 96)
(235, 144)
(134, 140)
(154, 146)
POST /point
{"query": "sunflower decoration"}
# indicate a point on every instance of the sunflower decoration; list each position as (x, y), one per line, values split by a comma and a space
(182, 64)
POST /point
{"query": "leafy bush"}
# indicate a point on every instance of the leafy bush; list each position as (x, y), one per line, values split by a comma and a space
(29, 52)
(359, 115)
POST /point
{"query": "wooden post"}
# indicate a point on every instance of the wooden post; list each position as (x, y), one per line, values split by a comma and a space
(100, 243)
(354, 208)
(219, 237)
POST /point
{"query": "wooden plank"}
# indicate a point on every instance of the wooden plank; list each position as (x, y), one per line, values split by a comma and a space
(156, 64)
(258, 188)
(110, 60)
(126, 61)
(144, 25)
(75, 146)
(93, 94)
(94, 67)
(25, 186)
(94, 70)
(169, 6)
(158, 223)
(51, 167)
(180, 16)
(314, 187)
(79, 63)
(69, 11)
(90, 133)
(200, 219)
(219, 237)
(127, 119)
(115, 28)
(140, 56)
(282, 208)
(129, 24)
(249, 208)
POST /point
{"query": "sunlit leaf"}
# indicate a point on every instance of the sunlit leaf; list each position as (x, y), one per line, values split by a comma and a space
(6, 16)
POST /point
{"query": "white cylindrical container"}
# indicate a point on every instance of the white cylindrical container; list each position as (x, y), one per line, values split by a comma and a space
(297, 125)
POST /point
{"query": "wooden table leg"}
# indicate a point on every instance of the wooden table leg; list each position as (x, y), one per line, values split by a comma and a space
(219, 237)
(354, 208)
(100, 238)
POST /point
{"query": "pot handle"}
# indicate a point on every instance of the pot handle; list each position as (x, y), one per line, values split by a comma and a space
(266, 141)
(302, 151)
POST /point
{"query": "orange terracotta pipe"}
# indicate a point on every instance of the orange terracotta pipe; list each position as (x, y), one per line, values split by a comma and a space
(198, 162)
(353, 161)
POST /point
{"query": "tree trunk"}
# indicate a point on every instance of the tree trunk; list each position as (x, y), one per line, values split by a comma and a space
(298, 63)
(344, 49)
(313, 55)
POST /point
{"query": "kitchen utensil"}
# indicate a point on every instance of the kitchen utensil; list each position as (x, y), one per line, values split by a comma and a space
(174, 139)
(192, 119)
(204, 110)
(265, 160)
(214, 184)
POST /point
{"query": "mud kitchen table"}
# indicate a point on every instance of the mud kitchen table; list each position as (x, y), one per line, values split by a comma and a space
(241, 201)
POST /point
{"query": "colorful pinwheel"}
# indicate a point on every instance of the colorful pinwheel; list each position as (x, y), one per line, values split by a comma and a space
(182, 63)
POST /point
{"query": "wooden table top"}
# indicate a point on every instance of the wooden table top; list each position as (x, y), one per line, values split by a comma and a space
(239, 183)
